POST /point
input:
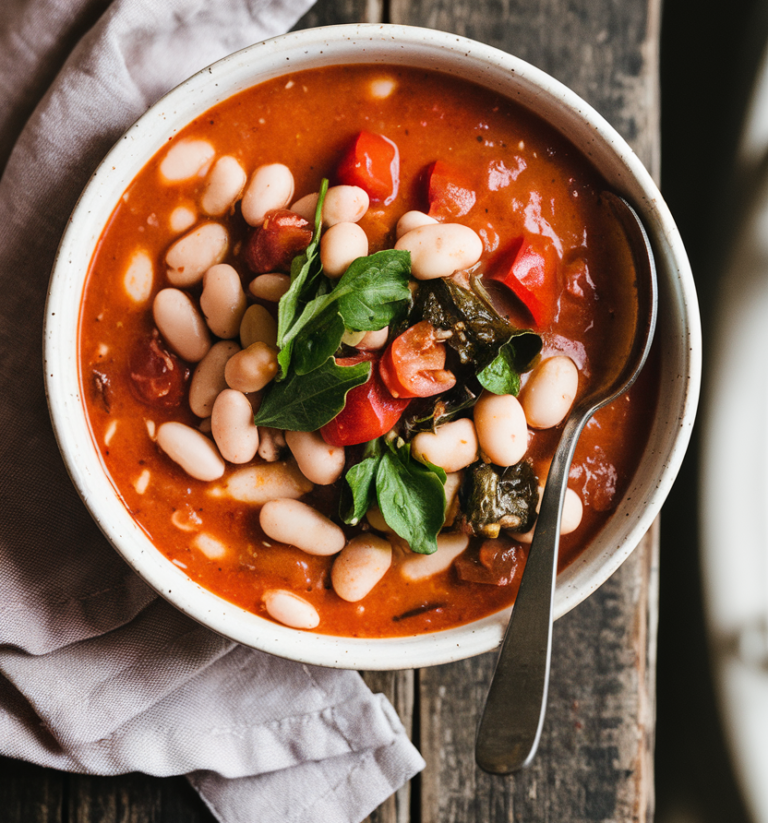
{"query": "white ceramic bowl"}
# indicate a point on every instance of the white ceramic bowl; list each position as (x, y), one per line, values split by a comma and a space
(678, 328)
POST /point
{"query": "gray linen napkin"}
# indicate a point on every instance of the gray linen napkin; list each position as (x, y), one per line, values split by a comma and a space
(96, 673)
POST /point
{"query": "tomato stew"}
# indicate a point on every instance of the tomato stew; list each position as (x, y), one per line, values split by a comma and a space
(177, 354)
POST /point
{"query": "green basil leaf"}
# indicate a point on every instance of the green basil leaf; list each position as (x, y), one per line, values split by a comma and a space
(373, 289)
(306, 402)
(411, 498)
(368, 295)
(305, 270)
(318, 342)
(500, 376)
(358, 493)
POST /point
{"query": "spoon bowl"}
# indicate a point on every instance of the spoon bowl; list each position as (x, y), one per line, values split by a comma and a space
(510, 727)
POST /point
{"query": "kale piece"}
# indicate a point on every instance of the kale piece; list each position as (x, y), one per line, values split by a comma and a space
(479, 331)
(493, 498)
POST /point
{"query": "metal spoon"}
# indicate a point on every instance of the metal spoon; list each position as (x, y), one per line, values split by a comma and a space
(510, 728)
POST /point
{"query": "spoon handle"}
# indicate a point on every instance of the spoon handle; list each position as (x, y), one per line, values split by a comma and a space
(510, 728)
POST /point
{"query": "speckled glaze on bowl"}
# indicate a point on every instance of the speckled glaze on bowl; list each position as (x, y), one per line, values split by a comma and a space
(678, 331)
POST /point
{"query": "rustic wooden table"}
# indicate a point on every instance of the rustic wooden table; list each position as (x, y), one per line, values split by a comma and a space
(595, 762)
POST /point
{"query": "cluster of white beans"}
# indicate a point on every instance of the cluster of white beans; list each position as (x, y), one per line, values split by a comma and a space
(233, 349)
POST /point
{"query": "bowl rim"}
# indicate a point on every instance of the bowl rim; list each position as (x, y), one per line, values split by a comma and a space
(361, 43)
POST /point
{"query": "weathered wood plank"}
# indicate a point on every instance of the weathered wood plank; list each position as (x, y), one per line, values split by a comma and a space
(133, 798)
(30, 794)
(336, 12)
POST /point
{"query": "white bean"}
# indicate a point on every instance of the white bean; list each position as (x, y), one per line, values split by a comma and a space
(297, 524)
(181, 219)
(212, 548)
(181, 325)
(373, 340)
(340, 245)
(319, 462)
(344, 204)
(232, 426)
(225, 184)
(452, 446)
(360, 566)
(412, 220)
(549, 392)
(453, 482)
(421, 566)
(269, 286)
(256, 485)
(223, 300)
(376, 520)
(139, 276)
(366, 340)
(270, 187)
(306, 207)
(573, 509)
(290, 609)
(191, 450)
(194, 253)
(257, 324)
(440, 250)
(271, 443)
(251, 369)
(185, 159)
(501, 428)
(208, 379)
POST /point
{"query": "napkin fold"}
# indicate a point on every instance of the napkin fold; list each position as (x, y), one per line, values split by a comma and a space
(97, 674)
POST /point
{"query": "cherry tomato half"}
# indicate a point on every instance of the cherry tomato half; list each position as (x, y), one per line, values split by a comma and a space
(369, 412)
(449, 194)
(529, 269)
(414, 363)
(273, 245)
(373, 163)
(158, 377)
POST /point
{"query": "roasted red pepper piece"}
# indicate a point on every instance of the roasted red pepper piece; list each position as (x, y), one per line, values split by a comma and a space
(449, 193)
(158, 377)
(369, 412)
(272, 246)
(414, 363)
(373, 163)
(529, 268)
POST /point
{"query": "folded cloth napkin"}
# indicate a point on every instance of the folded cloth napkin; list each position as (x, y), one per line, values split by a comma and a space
(96, 673)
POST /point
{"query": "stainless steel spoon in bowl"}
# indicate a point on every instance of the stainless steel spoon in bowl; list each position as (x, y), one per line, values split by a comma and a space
(510, 727)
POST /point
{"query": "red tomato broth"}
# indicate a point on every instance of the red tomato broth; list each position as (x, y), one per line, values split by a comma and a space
(526, 177)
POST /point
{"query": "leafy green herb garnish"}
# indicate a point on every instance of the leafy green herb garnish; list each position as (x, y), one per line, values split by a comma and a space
(305, 270)
(304, 403)
(411, 497)
(358, 492)
(410, 494)
(502, 374)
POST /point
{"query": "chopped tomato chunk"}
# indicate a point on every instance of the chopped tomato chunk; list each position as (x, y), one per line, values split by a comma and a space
(449, 194)
(373, 163)
(369, 412)
(158, 377)
(529, 268)
(414, 363)
(272, 246)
